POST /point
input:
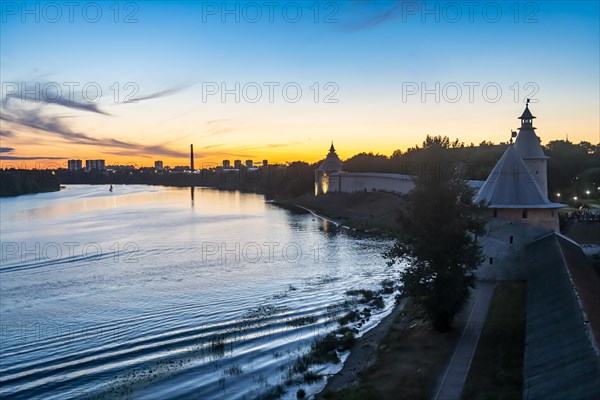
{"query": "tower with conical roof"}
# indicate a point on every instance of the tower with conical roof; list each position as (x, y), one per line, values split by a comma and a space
(529, 148)
(517, 188)
(332, 162)
(516, 195)
(332, 165)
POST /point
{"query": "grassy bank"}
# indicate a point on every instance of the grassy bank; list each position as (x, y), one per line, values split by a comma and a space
(362, 211)
(497, 368)
(407, 363)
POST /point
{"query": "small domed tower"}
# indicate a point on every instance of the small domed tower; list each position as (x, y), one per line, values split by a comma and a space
(529, 148)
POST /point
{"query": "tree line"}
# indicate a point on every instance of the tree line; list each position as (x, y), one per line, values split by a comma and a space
(573, 168)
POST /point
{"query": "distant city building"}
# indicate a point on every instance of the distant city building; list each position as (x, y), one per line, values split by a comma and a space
(265, 163)
(249, 163)
(226, 164)
(158, 165)
(74, 165)
(95, 164)
(121, 168)
(237, 164)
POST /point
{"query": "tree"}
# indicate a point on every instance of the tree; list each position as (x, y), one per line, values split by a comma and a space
(436, 141)
(397, 153)
(438, 238)
(367, 162)
(567, 161)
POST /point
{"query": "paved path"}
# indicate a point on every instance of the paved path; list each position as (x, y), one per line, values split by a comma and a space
(455, 375)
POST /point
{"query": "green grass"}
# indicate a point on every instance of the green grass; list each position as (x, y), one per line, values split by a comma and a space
(497, 368)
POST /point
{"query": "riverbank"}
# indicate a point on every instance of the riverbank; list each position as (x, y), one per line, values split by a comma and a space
(402, 358)
(362, 354)
(370, 211)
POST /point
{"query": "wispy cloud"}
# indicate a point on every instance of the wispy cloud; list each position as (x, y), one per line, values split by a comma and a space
(18, 158)
(72, 97)
(36, 119)
(6, 133)
(156, 95)
(216, 127)
(384, 12)
(48, 93)
(22, 158)
(274, 145)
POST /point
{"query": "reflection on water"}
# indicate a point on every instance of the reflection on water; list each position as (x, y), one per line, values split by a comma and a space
(153, 292)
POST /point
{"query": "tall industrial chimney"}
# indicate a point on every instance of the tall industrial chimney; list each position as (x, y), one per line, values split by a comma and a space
(192, 157)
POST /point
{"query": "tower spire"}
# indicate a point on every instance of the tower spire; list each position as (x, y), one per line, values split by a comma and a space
(527, 118)
(529, 148)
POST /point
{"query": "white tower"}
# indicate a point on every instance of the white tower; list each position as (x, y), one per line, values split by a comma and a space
(332, 165)
(529, 148)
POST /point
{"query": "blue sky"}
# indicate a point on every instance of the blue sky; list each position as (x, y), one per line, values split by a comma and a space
(369, 51)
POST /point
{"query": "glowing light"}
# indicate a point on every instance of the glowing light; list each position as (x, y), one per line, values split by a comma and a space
(557, 194)
(587, 192)
(574, 197)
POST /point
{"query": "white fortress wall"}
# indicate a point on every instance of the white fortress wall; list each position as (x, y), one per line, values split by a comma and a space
(351, 182)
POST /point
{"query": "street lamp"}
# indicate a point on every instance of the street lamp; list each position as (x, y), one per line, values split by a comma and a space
(575, 198)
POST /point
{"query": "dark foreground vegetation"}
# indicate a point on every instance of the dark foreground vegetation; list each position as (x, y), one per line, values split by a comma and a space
(497, 368)
(17, 182)
(438, 233)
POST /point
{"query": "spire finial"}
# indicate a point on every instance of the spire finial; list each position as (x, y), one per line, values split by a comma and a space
(527, 104)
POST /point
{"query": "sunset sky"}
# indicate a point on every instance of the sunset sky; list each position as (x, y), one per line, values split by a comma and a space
(369, 60)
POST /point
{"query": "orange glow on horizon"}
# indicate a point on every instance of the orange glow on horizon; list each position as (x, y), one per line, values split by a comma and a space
(298, 140)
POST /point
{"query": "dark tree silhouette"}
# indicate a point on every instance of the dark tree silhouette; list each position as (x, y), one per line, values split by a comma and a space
(14, 182)
(438, 239)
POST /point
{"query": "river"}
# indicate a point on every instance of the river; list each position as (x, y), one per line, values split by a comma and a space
(161, 293)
